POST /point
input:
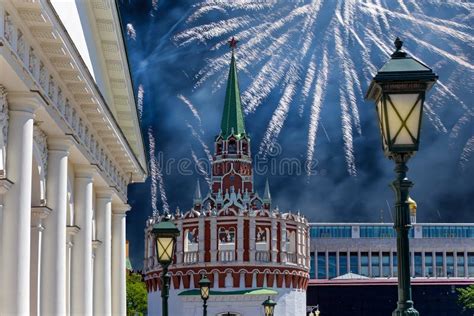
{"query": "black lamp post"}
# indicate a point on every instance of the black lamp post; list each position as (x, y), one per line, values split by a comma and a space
(165, 233)
(204, 285)
(269, 306)
(398, 90)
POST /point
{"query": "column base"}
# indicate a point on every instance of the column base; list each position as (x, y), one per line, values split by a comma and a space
(405, 309)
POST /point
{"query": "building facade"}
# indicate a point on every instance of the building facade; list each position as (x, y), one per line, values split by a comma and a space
(352, 258)
(246, 247)
(70, 143)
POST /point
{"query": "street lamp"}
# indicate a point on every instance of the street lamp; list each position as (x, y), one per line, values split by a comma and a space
(315, 312)
(398, 90)
(165, 233)
(204, 284)
(268, 306)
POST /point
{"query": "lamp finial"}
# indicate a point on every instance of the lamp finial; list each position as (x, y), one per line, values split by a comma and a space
(399, 53)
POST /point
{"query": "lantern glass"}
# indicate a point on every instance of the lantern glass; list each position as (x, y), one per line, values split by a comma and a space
(205, 292)
(268, 307)
(399, 117)
(268, 310)
(164, 247)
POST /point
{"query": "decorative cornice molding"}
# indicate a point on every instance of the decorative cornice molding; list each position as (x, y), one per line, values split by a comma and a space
(49, 77)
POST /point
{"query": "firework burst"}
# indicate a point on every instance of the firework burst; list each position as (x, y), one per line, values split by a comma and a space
(294, 49)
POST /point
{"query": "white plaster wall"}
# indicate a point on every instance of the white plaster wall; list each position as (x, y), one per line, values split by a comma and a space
(289, 302)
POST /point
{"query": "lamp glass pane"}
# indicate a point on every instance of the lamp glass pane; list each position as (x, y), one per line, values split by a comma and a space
(165, 249)
(400, 109)
(413, 120)
(204, 292)
(381, 117)
(268, 310)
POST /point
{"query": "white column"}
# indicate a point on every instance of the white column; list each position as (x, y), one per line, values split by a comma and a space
(71, 231)
(274, 240)
(283, 242)
(81, 275)
(38, 214)
(252, 238)
(103, 257)
(240, 238)
(119, 299)
(202, 237)
(15, 256)
(214, 240)
(53, 267)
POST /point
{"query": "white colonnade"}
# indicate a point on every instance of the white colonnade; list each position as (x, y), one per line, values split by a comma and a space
(46, 263)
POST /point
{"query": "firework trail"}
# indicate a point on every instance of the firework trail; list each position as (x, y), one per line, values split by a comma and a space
(154, 5)
(156, 178)
(140, 96)
(131, 33)
(199, 139)
(202, 170)
(467, 152)
(191, 107)
(284, 44)
(318, 99)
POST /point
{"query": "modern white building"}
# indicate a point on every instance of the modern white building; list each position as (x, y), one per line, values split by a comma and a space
(70, 143)
(359, 260)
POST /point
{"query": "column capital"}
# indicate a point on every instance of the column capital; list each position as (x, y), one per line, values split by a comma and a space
(59, 143)
(72, 229)
(96, 243)
(24, 101)
(85, 171)
(105, 193)
(40, 211)
(5, 185)
(120, 208)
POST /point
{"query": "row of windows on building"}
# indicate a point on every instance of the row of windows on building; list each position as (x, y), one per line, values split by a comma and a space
(380, 231)
(328, 265)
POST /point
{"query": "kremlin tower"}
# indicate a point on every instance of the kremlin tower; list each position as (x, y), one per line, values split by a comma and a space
(246, 247)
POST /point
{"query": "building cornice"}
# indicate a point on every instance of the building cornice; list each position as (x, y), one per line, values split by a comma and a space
(50, 65)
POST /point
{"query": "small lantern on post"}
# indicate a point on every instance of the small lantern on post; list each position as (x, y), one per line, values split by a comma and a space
(204, 285)
(165, 233)
(398, 90)
(269, 306)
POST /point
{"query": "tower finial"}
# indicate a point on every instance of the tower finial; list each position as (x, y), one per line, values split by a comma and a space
(233, 43)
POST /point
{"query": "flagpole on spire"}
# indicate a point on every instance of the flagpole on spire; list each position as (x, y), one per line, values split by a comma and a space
(233, 44)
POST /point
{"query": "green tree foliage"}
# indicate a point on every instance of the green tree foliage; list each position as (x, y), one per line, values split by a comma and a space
(466, 297)
(136, 295)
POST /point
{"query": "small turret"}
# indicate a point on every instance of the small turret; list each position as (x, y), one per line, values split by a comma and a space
(197, 199)
(267, 197)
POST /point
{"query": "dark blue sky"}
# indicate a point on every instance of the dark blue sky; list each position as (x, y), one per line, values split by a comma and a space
(443, 189)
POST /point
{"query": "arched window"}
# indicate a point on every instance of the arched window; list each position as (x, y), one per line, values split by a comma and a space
(191, 241)
(291, 242)
(226, 235)
(232, 147)
(261, 234)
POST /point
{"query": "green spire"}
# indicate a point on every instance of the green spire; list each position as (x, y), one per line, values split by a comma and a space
(232, 118)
